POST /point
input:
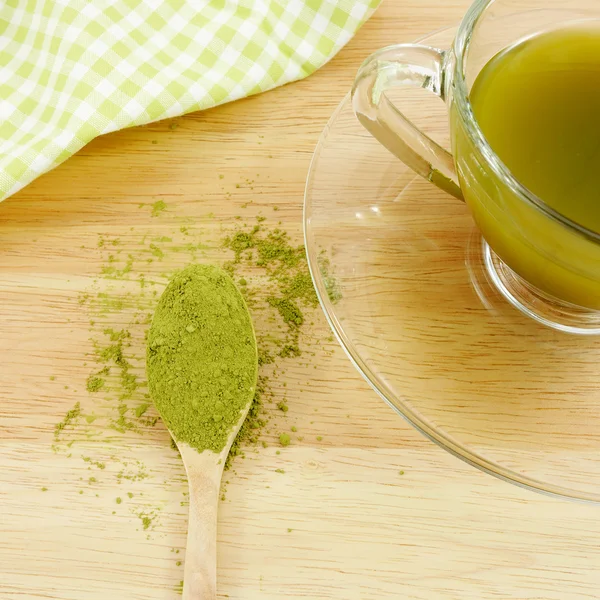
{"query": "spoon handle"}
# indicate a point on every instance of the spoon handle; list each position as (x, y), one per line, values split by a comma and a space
(204, 477)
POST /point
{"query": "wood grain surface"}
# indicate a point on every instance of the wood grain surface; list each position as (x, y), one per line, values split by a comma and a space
(359, 506)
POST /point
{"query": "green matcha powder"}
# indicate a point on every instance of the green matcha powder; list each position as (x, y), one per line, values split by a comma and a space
(201, 358)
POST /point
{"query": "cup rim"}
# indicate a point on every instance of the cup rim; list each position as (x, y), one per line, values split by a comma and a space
(462, 102)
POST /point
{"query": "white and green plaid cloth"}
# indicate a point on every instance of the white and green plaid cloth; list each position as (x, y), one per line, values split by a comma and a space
(71, 70)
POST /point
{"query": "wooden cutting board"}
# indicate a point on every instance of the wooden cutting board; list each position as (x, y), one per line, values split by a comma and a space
(359, 506)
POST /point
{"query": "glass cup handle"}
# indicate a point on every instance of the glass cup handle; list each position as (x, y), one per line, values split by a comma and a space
(405, 65)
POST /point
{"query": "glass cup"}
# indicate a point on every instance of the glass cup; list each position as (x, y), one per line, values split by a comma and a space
(543, 263)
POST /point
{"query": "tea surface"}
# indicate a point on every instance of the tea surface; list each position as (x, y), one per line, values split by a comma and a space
(538, 104)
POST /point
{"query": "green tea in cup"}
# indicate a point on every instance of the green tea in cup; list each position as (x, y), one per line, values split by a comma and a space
(538, 105)
(522, 85)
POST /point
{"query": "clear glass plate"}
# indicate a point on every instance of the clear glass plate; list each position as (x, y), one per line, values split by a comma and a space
(400, 272)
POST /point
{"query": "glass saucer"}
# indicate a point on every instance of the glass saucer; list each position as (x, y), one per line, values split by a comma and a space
(400, 270)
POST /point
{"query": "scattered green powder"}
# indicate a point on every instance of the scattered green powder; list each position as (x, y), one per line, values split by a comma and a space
(287, 271)
(109, 304)
(122, 423)
(282, 406)
(141, 409)
(92, 480)
(251, 427)
(118, 500)
(112, 271)
(331, 284)
(94, 383)
(401, 473)
(69, 419)
(114, 353)
(156, 251)
(290, 530)
(129, 495)
(284, 439)
(146, 520)
(201, 357)
(52, 377)
(136, 473)
(280, 471)
(159, 206)
(319, 438)
(288, 309)
(44, 489)
(265, 357)
(95, 463)
(300, 286)
(294, 429)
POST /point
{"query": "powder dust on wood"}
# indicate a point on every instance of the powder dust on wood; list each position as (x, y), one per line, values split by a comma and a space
(103, 429)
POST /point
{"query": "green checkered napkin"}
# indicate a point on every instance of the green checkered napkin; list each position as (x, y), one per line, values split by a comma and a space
(71, 70)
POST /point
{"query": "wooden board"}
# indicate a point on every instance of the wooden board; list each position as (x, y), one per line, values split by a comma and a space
(341, 521)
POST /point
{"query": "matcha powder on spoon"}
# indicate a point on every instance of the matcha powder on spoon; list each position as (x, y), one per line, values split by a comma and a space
(201, 357)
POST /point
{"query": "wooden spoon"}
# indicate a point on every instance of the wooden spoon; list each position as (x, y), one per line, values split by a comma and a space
(204, 469)
(204, 473)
